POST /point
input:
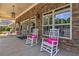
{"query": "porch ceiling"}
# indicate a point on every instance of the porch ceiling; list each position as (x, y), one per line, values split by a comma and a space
(6, 9)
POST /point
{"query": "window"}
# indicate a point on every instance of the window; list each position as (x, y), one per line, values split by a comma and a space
(60, 19)
(47, 23)
(62, 22)
(25, 25)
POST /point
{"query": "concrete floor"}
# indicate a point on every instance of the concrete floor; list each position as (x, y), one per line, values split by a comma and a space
(12, 46)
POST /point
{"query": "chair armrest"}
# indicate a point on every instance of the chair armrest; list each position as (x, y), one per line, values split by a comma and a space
(54, 42)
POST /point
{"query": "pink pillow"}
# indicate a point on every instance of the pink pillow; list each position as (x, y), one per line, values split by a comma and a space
(51, 39)
(34, 36)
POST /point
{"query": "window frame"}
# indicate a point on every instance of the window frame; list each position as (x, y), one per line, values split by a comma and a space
(53, 19)
(48, 21)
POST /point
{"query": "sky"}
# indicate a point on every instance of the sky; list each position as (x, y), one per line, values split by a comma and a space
(5, 22)
(64, 15)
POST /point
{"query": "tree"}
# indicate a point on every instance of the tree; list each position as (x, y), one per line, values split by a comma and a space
(7, 28)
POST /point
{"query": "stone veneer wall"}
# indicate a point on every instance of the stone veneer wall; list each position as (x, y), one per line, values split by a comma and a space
(41, 8)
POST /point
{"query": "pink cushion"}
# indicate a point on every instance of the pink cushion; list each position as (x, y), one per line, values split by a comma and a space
(51, 39)
(34, 36)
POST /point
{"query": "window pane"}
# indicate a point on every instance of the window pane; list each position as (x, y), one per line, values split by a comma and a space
(50, 20)
(63, 17)
(46, 29)
(64, 30)
(45, 20)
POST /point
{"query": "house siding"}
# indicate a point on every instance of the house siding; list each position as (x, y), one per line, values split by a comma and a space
(39, 9)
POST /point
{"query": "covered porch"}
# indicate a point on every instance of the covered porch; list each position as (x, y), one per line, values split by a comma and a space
(12, 46)
(43, 16)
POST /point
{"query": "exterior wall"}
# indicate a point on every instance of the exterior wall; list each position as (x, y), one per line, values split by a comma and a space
(74, 43)
(41, 8)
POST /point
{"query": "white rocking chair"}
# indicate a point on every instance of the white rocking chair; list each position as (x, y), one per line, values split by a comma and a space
(33, 37)
(50, 45)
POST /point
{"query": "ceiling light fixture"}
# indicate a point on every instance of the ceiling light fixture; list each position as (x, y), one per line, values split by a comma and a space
(13, 12)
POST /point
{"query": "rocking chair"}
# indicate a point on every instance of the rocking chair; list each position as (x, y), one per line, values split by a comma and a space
(50, 45)
(33, 37)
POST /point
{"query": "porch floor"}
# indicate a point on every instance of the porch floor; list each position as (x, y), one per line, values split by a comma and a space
(12, 46)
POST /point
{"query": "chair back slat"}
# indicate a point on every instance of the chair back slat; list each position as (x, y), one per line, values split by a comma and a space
(35, 31)
(54, 33)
